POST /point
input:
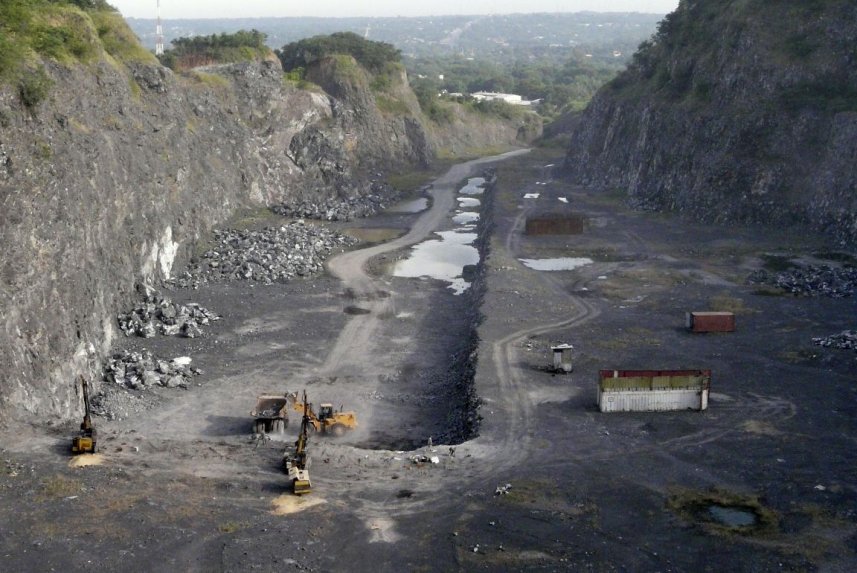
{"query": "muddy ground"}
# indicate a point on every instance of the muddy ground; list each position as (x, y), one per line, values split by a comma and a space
(180, 485)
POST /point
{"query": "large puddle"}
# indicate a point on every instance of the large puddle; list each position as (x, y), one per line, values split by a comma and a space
(445, 258)
(442, 259)
(412, 206)
(561, 264)
(475, 186)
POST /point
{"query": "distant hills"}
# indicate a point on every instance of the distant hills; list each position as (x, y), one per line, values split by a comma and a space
(603, 35)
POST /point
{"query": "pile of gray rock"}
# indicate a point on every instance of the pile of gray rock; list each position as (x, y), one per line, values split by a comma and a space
(810, 280)
(141, 370)
(158, 314)
(339, 209)
(273, 254)
(846, 340)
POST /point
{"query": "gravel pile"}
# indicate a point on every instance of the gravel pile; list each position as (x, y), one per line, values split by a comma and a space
(340, 209)
(846, 340)
(273, 254)
(157, 314)
(141, 370)
(810, 280)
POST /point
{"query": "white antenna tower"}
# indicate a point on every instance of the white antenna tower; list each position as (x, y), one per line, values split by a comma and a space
(159, 34)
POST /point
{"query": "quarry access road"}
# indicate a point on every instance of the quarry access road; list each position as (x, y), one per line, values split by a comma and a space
(353, 346)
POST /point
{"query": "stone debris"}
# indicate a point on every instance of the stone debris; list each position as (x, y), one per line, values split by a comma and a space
(810, 280)
(341, 209)
(846, 340)
(157, 314)
(273, 254)
(141, 370)
(503, 489)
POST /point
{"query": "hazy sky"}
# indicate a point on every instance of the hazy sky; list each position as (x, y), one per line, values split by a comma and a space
(255, 8)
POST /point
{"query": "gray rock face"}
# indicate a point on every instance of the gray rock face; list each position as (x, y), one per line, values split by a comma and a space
(722, 120)
(111, 180)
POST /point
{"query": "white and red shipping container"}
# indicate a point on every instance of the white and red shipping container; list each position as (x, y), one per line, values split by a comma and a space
(653, 390)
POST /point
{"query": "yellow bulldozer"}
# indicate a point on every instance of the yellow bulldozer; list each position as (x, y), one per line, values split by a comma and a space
(327, 421)
(84, 443)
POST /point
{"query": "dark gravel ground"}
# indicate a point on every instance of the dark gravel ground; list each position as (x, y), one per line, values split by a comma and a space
(589, 491)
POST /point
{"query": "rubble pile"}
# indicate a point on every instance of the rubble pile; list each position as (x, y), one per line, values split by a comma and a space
(157, 314)
(141, 370)
(339, 209)
(273, 254)
(846, 340)
(810, 280)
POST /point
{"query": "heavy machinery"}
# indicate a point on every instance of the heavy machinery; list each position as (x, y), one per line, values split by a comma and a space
(84, 443)
(297, 464)
(271, 414)
(328, 420)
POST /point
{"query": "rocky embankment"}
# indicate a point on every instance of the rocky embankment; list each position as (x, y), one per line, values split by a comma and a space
(114, 176)
(734, 112)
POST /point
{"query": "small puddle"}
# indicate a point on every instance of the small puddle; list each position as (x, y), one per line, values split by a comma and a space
(561, 264)
(465, 218)
(412, 206)
(474, 186)
(442, 259)
(356, 310)
(468, 202)
(531, 195)
(731, 516)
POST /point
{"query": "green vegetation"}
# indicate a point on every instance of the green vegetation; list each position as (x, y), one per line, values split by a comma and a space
(374, 56)
(34, 87)
(678, 63)
(242, 46)
(66, 31)
(562, 84)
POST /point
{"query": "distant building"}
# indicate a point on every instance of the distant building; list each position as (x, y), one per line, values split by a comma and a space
(513, 99)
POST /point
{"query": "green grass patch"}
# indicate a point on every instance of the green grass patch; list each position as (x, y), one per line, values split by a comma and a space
(211, 80)
(57, 487)
(410, 181)
(391, 106)
(118, 39)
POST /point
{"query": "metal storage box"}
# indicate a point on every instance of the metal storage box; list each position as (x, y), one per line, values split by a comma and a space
(711, 321)
(653, 390)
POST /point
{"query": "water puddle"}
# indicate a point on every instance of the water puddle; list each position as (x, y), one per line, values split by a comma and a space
(561, 264)
(466, 218)
(531, 195)
(412, 206)
(474, 186)
(562, 200)
(732, 516)
(468, 202)
(442, 259)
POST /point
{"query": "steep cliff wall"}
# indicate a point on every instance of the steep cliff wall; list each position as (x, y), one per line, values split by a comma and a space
(112, 168)
(736, 110)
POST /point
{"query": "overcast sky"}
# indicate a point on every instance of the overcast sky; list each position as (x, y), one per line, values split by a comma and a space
(260, 8)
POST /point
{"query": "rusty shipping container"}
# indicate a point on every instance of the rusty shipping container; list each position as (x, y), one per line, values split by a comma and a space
(653, 390)
(569, 224)
(711, 321)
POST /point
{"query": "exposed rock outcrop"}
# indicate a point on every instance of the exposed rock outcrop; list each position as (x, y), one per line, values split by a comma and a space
(740, 111)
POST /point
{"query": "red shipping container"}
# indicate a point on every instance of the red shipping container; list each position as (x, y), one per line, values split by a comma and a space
(711, 321)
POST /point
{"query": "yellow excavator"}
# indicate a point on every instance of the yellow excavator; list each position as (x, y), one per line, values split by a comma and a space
(328, 420)
(84, 443)
(297, 465)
